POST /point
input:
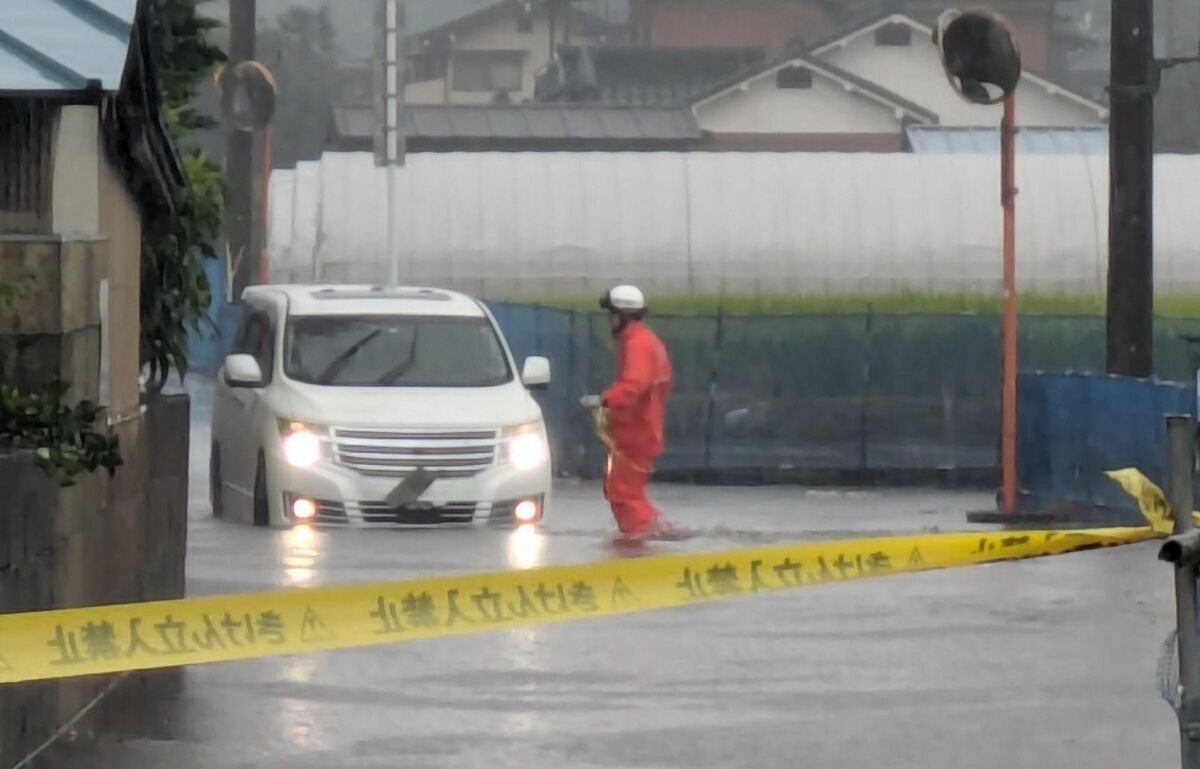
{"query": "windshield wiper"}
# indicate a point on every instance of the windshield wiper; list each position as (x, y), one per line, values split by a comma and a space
(340, 362)
(403, 366)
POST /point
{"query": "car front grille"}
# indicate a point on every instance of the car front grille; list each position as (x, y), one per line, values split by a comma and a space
(396, 453)
(492, 513)
(379, 512)
(330, 512)
(453, 512)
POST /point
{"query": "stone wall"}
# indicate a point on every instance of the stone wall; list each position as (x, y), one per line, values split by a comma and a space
(116, 540)
(54, 328)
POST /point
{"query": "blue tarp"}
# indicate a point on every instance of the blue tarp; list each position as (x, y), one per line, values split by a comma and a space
(208, 346)
(1072, 428)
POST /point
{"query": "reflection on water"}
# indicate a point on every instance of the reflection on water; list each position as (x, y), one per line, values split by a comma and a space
(300, 721)
(300, 548)
(521, 653)
(526, 550)
(526, 546)
(520, 724)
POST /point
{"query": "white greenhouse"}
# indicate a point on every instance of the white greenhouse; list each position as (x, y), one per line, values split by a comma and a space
(547, 224)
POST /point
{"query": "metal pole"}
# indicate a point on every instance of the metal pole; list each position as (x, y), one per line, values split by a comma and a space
(395, 74)
(1008, 193)
(394, 259)
(1130, 322)
(1181, 447)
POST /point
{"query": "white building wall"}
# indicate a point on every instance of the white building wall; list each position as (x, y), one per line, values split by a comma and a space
(75, 194)
(826, 107)
(915, 73)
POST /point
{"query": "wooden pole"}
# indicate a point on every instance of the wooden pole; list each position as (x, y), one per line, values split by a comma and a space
(264, 213)
(1130, 322)
(239, 160)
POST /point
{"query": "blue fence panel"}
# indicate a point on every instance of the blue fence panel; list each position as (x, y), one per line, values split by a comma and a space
(211, 342)
(548, 332)
(1073, 428)
(559, 402)
(872, 392)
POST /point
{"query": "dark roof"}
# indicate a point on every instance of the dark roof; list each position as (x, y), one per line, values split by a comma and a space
(828, 70)
(422, 16)
(98, 51)
(925, 12)
(640, 75)
(864, 22)
(430, 18)
(527, 122)
(354, 122)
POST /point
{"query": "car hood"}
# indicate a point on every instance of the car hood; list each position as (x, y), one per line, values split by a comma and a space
(485, 407)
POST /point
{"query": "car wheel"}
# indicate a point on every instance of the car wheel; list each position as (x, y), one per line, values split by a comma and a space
(216, 489)
(262, 509)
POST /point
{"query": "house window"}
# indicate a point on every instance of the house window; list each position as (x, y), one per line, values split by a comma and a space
(428, 66)
(894, 35)
(26, 165)
(487, 71)
(793, 77)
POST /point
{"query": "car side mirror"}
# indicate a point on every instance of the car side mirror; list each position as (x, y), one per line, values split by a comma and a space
(536, 373)
(243, 371)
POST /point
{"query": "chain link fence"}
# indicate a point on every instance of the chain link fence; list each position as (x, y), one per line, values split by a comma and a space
(880, 396)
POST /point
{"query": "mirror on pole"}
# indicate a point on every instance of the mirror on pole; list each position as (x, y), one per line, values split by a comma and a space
(979, 55)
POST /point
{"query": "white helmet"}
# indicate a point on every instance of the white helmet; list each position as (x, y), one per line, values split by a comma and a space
(624, 299)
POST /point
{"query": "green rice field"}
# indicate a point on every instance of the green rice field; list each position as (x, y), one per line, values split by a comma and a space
(1178, 306)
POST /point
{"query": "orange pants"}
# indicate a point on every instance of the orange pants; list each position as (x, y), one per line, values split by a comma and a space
(625, 490)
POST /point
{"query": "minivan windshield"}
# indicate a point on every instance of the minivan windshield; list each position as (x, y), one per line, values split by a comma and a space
(394, 351)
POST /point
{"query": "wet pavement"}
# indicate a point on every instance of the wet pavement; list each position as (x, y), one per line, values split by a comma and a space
(1046, 663)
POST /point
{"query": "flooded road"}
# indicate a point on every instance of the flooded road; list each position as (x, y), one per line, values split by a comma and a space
(1046, 663)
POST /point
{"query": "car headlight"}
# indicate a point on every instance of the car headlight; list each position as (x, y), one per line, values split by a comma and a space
(525, 446)
(302, 443)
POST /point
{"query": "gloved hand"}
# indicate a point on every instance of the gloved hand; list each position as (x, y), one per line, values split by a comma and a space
(590, 402)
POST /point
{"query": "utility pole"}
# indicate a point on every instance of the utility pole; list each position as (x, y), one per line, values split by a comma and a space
(392, 147)
(239, 161)
(1130, 321)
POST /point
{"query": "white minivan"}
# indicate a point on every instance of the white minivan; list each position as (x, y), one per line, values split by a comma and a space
(368, 405)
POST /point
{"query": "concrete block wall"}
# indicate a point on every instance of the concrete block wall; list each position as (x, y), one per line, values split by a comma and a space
(54, 329)
(116, 540)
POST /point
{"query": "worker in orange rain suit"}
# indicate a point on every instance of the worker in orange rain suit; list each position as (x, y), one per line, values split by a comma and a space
(634, 404)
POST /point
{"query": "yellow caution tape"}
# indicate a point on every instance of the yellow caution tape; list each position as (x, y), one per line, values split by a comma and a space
(1150, 498)
(109, 639)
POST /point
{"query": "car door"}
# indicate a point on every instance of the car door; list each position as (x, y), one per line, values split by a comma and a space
(239, 411)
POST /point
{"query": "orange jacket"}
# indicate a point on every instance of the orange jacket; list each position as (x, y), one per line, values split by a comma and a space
(637, 398)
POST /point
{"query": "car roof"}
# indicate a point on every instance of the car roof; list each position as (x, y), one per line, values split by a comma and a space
(370, 300)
